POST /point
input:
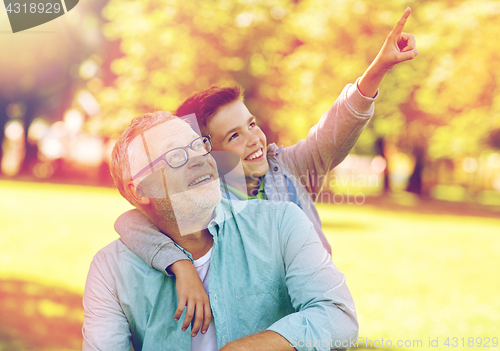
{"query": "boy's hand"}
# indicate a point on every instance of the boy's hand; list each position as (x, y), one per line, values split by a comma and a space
(398, 47)
(191, 293)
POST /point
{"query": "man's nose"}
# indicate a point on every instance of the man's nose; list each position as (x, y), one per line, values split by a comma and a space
(195, 159)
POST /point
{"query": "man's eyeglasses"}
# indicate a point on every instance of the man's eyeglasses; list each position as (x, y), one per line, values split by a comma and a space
(178, 157)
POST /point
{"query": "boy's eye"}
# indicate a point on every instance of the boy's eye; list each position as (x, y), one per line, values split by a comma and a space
(252, 124)
(235, 135)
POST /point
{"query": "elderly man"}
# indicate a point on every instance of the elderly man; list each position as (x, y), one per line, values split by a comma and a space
(271, 284)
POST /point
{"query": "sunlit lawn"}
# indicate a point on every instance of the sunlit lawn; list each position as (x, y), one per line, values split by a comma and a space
(50, 233)
(413, 276)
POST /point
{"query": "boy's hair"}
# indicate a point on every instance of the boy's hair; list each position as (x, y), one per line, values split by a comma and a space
(206, 103)
(123, 153)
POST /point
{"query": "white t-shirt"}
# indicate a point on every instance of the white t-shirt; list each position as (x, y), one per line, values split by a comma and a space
(207, 341)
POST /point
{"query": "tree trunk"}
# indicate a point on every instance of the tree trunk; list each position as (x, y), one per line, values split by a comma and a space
(379, 144)
(31, 155)
(3, 121)
(415, 182)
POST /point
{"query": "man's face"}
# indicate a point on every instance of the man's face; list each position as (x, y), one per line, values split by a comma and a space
(181, 191)
(234, 129)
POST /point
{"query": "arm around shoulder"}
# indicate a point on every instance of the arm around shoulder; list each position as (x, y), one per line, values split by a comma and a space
(147, 241)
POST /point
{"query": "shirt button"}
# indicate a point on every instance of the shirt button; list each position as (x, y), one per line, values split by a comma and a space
(215, 297)
(276, 168)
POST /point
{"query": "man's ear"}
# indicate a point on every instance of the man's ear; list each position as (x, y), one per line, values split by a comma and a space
(138, 198)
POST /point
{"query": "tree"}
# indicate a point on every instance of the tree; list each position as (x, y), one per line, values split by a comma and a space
(293, 59)
(40, 71)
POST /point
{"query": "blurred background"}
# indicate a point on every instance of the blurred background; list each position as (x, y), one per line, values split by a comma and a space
(413, 214)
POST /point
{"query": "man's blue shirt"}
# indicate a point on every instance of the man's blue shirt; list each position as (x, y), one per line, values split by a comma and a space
(268, 271)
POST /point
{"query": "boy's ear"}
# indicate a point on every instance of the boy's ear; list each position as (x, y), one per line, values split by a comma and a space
(137, 194)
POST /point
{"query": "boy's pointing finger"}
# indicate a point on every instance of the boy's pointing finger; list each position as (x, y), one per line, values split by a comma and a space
(402, 21)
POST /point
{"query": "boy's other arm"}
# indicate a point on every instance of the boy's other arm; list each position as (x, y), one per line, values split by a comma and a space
(330, 141)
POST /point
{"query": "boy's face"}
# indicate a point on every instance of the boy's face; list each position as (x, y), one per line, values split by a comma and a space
(234, 129)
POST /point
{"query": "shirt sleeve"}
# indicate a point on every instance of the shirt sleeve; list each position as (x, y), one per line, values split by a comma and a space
(326, 317)
(330, 141)
(147, 241)
(106, 326)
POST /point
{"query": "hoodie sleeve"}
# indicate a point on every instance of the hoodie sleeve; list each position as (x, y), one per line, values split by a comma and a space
(330, 141)
(147, 241)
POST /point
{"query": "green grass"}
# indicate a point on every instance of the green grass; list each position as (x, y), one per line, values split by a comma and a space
(415, 276)
(50, 233)
(412, 275)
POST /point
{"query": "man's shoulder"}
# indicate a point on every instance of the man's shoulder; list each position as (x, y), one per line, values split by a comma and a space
(116, 253)
(113, 248)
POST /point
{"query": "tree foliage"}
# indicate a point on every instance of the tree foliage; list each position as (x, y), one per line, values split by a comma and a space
(294, 57)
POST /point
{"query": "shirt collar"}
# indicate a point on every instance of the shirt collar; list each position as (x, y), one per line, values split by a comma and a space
(221, 212)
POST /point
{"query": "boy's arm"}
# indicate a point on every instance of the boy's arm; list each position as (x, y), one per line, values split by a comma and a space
(330, 141)
(147, 241)
(191, 293)
(398, 47)
(160, 252)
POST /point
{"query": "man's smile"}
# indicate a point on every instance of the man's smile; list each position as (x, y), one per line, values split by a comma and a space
(202, 179)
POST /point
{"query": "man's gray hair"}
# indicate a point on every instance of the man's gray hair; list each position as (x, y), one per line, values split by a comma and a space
(120, 164)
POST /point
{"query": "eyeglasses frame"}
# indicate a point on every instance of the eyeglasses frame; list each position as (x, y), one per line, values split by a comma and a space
(162, 156)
